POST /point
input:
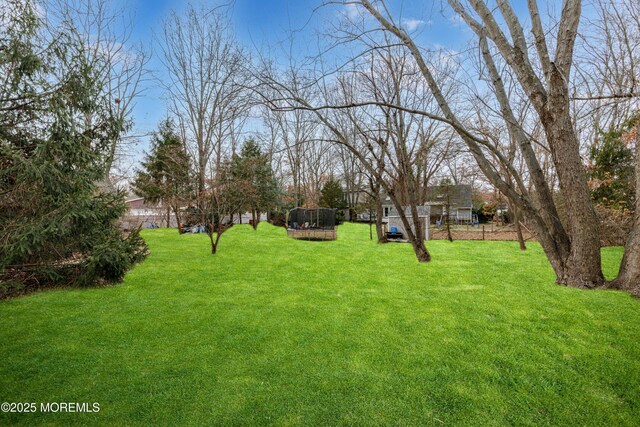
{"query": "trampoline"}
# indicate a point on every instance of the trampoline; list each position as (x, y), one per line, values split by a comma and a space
(312, 224)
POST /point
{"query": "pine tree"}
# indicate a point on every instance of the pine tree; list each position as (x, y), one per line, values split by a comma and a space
(165, 174)
(332, 195)
(252, 172)
(58, 222)
(612, 174)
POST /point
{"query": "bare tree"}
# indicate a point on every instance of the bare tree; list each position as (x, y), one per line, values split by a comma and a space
(606, 82)
(607, 94)
(297, 137)
(223, 197)
(206, 85)
(573, 250)
(390, 144)
(353, 178)
(548, 170)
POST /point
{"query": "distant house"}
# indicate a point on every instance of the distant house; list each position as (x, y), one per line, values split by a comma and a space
(459, 198)
(354, 198)
(145, 215)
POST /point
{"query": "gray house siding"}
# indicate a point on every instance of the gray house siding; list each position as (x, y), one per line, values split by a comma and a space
(459, 199)
(394, 220)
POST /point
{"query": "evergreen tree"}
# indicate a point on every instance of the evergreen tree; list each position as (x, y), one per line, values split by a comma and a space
(612, 173)
(165, 176)
(58, 222)
(252, 172)
(332, 195)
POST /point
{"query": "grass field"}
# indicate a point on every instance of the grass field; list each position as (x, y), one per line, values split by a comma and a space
(285, 332)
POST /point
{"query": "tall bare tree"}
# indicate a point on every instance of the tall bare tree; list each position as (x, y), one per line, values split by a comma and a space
(296, 134)
(206, 85)
(391, 145)
(607, 94)
(573, 248)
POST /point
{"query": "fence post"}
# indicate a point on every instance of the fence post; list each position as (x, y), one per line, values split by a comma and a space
(483, 232)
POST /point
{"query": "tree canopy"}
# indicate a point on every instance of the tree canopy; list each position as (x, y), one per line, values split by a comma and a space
(612, 171)
(332, 195)
(253, 175)
(58, 216)
(165, 174)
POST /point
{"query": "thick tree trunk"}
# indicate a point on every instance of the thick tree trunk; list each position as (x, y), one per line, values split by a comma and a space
(583, 267)
(417, 241)
(580, 268)
(523, 246)
(422, 254)
(629, 276)
(256, 218)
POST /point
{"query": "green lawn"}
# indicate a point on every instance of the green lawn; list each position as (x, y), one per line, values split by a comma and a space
(285, 332)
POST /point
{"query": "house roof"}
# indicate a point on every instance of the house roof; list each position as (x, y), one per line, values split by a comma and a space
(459, 195)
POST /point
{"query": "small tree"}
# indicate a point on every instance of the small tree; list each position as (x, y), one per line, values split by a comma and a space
(225, 196)
(369, 206)
(332, 196)
(444, 190)
(165, 176)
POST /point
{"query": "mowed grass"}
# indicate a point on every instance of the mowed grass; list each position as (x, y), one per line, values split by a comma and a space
(284, 332)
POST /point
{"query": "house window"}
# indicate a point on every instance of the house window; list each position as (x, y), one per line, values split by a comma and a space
(386, 212)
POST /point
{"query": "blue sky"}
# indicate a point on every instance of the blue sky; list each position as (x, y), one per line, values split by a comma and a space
(263, 25)
(257, 24)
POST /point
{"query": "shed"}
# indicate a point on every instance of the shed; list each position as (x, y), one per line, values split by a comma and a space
(395, 222)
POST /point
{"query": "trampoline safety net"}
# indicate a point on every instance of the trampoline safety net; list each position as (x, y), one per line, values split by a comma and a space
(314, 219)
